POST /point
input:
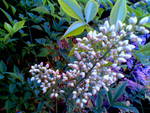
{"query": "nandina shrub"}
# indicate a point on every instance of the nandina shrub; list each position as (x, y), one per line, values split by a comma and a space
(99, 58)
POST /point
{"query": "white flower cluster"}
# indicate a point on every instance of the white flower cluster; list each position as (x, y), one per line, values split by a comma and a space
(99, 58)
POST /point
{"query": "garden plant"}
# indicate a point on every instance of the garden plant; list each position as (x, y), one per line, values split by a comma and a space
(75, 56)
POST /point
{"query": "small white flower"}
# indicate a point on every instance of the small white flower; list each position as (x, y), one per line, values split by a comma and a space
(132, 20)
(121, 59)
(129, 27)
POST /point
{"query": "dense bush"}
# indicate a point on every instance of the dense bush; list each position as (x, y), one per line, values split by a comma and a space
(50, 31)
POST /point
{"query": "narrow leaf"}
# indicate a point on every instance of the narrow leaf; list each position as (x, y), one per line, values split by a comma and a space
(75, 29)
(7, 15)
(91, 10)
(41, 9)
(118, 12)
(72, 8)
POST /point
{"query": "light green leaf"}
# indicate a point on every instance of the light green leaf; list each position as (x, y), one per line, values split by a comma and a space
(8, 27)
(72, 8)
(41, 9)
(147, 25)
(75, 29)
(19, 25)
(118, 12)
(91, 10)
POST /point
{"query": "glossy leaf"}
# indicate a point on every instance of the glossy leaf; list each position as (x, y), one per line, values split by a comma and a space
(41, 9)
(72, 8)
(75, 29)
(118, 12)
(19, 25)
(8, 27)
(91, 10)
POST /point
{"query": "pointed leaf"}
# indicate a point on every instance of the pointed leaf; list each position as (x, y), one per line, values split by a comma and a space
(75, 29)
(7, 15)
(41, 9)
(91, 10)
(19, 25)
(8, 27)
(72, 8)
(118, 12)
(3, 67)
(119, 90)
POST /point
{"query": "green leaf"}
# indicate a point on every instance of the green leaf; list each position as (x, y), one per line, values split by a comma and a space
(13, 9)
(145, 49)
(8, 27)
(119, 91)
(6, 4)
(147, 25)
(72, 8)
(109, 96)
(75, 29)
(3, 67)
(14, 75)
(1, 77)
(123, 106)
(7, 15)
(19, 25)
(41, 9)
(9, 104)
(40, 106)
(12, 87)
(91, 10)
(43, 52)
(118, 12)
(99, 100)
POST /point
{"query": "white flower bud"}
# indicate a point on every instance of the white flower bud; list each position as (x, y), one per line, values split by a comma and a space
(94, 91)
(129, 27)
(78, 101)
(106, 24)
(84, 100)
(79, 39)
(144, 20)
(56, 95)
(132, 20)
(77, 55)
(145, 31)
(39, 81)
(119, 24)
(120, 75)
(112, 28)
(129, 47)
(33, 78)
(121, 60)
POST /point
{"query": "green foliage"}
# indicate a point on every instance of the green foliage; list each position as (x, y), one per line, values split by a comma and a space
(118, 12)
(143, 54)
(75, 29)
(72, 8)
(91, 10)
